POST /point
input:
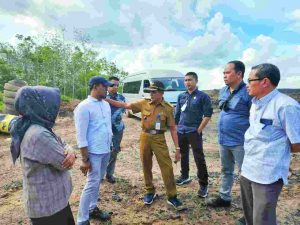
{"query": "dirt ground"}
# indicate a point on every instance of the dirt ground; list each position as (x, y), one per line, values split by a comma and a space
(129, 186)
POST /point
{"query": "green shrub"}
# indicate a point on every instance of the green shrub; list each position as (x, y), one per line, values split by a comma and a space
(1, 102)
(65, 98)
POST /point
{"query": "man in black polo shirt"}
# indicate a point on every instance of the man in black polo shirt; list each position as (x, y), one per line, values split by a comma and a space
(193, 112)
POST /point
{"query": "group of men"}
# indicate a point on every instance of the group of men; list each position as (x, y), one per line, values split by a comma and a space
(257, 130)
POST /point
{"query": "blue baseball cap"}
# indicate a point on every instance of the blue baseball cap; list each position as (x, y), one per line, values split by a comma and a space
(99, 80)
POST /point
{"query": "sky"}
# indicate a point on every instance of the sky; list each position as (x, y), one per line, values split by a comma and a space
(184, 35)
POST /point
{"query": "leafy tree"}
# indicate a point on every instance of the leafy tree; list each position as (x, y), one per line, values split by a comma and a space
(52, 61)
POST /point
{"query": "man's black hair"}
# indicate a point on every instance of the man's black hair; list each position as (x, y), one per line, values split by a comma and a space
(268, 70)
(238, 66)
(192, 74)
(113, 78)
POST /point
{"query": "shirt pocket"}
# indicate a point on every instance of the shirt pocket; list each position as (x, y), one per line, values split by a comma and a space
(269, 132)
(273, 131)
(145, 115)
(236, 103)
(195, 105)
(163, 119)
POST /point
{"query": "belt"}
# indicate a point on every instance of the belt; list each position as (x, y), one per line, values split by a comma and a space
(154, 131)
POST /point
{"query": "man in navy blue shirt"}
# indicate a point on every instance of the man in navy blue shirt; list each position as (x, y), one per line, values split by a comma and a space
(117, 127)
(193, 112)
(235, 103)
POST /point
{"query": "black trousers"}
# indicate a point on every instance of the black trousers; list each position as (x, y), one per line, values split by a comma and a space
(63, 217)
(195, 141)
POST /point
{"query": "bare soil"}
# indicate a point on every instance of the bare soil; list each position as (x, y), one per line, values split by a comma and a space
(129, 186)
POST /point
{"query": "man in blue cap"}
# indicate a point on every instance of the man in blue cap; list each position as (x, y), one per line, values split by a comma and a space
(94, 134)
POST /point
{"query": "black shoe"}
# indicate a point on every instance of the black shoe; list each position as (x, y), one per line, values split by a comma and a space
(203, 191)
(96, 213)
(149, 198)
(175, 202)
(183, 180)
(111, 179)
(218, 202)
(240, 221)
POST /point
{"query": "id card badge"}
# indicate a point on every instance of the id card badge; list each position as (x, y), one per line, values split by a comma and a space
(184, 106)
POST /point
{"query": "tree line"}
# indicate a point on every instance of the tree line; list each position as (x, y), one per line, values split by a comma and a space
(52, 61)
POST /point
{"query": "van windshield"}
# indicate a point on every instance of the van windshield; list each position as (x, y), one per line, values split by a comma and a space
(171, 83)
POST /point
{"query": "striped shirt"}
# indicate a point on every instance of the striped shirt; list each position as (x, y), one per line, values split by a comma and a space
(46, 185)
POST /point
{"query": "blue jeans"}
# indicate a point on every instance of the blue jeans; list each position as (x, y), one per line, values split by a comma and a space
(115, 149)
(229, 156)
(90, 193)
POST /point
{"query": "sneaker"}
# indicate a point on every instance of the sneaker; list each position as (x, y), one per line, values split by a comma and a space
(149, 198)
(96, 213)
(218, 202)
(182, 180)
(240, 221)
(203, 191)
(111, 179)
(175, 202)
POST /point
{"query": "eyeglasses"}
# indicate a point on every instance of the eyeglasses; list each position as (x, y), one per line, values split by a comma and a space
(115, 85)
(250, 80)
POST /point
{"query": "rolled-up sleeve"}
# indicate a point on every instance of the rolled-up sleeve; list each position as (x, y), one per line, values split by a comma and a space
(81, 117)
(137, 106)
(207, 106)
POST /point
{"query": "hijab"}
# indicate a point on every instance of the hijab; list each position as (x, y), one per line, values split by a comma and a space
(35, 105)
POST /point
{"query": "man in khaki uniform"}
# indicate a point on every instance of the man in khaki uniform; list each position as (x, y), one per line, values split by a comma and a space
(157, 115)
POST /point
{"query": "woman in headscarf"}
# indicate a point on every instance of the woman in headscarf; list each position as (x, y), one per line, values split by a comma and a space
(47, 182)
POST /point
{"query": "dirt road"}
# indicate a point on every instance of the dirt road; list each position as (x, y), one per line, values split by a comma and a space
(129, 186)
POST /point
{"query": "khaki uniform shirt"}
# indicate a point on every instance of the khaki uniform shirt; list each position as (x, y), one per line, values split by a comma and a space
(150, 110)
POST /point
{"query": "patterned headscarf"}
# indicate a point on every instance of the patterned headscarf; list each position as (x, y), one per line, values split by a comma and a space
(36, 105)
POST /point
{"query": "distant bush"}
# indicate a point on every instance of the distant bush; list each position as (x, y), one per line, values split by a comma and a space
(65, 98)
(1, 102)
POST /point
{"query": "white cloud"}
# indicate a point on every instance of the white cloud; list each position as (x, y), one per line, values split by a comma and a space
(294, 18)
(262, 49)
(28, 21)
(294, 15)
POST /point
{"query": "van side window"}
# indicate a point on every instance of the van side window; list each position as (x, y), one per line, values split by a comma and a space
(132, 87)
(146, 83)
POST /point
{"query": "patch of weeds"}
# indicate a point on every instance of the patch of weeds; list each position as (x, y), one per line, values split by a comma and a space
(123, 185)
(1, 102)
(292, 218)
(14, 185)
(212, 155)
(199, 213)
(65, 98)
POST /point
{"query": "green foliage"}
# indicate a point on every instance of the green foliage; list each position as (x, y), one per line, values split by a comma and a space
(65, 98)
(1, 102)
(13, 185)
(51, 61)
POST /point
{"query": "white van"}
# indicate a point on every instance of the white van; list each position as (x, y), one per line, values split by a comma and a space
(134, 84)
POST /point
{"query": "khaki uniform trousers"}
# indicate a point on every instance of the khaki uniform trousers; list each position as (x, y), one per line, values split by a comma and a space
(156, 144)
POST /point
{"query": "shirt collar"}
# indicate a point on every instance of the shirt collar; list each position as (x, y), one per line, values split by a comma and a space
(237, 87)
(113, 96)
(194, 91)
(91, 98)
(161, 103)
(265, 100)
